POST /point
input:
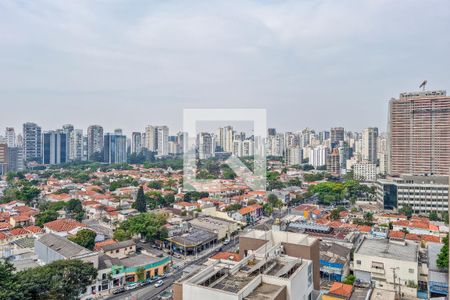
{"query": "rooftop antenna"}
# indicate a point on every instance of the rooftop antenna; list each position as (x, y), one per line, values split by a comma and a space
(423, 84)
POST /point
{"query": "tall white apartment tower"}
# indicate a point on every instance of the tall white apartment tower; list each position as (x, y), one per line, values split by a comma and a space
(369, 144)
(10, 136)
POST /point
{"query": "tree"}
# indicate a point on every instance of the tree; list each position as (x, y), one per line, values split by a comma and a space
(157, 185)
(62, 279)
(84, 238)
(45, 217)
(9, 284)
(433, 216)
(272, 199)
(148, 225)
(442, 260)
(406, 210)
(350, 279)
(74, 206)
(140, 203)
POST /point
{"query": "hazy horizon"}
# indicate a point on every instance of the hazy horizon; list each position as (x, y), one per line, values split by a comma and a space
(127, 64)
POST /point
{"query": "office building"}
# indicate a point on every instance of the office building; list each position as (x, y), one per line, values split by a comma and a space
(15, 159)
(54, 148)
(423, 193)
(419, 133)
(365, 171)
(94, 140)
(151, 138)
(136, 142)
(32, 142)
(114, 149)
(369, 144)
(10, 136)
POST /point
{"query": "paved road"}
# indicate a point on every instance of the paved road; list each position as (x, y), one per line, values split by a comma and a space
(149, 292)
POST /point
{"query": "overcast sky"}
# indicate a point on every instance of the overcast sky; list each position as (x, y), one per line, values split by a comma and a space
(126, 64)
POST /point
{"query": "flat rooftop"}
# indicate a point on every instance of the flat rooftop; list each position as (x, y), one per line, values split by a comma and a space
(264, 291)
(386, 249)
(276, 237)
(193, 238)
(138, 260)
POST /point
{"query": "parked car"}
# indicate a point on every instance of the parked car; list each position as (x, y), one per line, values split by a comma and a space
(131, 286)
(119, 290)
(159, 283)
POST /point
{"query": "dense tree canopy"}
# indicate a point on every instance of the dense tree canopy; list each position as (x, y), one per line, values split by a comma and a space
(84, 238)
(147, 225)
(442, 260)
(62, 279)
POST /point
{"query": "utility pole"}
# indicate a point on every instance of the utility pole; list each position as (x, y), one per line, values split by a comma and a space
(397, 295)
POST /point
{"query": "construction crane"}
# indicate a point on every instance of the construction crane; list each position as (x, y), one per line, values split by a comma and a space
(423, 84)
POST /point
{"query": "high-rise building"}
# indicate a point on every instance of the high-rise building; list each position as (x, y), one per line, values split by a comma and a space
(334, 163)
(226, 137)
(324, 135)
(248, 148)
(369, 144)
(162, 140)
(115, 148)
(205, 145)
(318, 156)
(76, 145)
(94, 140)
(337, 134)
(136, 142)
(271, 131)
(54, 148)
(10, 136)
(15, 159)
(68, 130)
(3, 158)
(294, 155)
(32, 141)
(419, 133)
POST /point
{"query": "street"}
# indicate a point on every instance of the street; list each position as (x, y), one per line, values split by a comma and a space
(150, 292)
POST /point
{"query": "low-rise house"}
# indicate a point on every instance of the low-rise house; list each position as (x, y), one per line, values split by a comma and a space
(249, 214)
(334, 261)
(117, 249)
(51, 247)
(185, 206)
(63, 227)
(339, 291)
(437, 277)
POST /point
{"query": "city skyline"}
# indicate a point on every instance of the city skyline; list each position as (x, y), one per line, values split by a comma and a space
(297, 60)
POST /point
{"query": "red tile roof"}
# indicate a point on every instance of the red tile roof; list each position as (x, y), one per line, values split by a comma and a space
(227, 256)
(100, 245)
(249, 209)
(397, 234)
(3, 236)
(63, 225)
(34, 229)
(18, 231)
(341, 289)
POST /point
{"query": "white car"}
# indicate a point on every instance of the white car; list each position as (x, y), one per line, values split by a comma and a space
(159, 283)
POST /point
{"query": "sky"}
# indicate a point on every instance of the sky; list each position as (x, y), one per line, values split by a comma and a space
(129, 63)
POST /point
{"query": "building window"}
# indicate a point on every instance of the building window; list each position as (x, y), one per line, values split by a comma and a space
(309, 274)
(411, 270)
(358, 262)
